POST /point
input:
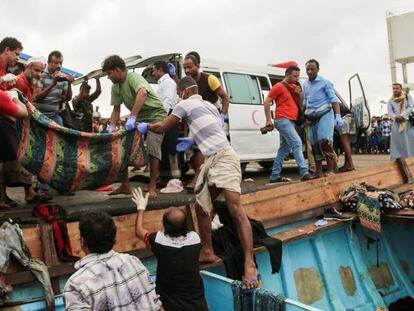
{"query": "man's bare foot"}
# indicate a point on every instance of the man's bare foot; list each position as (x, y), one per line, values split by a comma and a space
(121, 190)
(207, 256)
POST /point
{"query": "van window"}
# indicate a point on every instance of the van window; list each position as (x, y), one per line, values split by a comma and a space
(264, 83)
(275, 79)
(242, 88)
(214, 73)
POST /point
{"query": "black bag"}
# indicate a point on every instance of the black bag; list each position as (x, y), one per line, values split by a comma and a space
(71, 119)
(411, 118)
(301, 115)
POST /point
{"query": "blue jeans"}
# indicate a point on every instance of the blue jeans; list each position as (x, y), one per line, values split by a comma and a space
(289, 140)
(323, 129)
(57, 118)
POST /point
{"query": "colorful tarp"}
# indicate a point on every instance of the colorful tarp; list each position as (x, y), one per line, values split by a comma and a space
(71, 160)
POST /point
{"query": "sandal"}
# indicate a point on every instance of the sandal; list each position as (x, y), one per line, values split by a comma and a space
(280, 179)
(38, 198)
(345, 169)
(249, 285)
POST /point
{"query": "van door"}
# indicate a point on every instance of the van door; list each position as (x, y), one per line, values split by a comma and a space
(358, 103)
(246, 117)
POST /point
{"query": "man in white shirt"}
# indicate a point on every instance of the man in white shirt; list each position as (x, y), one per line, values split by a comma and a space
(167, 93)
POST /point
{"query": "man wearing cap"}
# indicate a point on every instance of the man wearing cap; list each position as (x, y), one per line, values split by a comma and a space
(29, 78)
(82, 103)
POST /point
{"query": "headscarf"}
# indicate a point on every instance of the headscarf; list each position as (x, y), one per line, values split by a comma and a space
(402, 101)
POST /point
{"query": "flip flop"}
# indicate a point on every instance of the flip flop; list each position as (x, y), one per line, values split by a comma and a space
(249, 285)
(345, 169)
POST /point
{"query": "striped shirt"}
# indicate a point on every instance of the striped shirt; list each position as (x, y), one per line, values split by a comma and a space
(51, 104)
(203, 119)
(110, 281)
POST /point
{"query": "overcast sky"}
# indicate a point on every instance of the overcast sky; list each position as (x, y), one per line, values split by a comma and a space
(345, 36)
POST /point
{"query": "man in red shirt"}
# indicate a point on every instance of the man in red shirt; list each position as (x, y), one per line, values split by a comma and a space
(30, 75)
(10, 49)
(287, 95)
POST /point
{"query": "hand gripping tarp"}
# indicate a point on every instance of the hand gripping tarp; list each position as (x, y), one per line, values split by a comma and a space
(71, 160)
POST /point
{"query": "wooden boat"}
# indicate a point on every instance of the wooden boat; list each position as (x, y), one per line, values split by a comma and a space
(335, 267)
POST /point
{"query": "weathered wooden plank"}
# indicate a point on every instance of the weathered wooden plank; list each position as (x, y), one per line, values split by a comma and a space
(50, 257)
(270, 205)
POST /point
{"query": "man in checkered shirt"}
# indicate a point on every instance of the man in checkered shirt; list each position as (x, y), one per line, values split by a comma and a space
(107, 280)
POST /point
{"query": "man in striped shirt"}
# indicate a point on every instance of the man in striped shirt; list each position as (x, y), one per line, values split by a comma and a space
(220, 173)
(107, 280)
(55, 88)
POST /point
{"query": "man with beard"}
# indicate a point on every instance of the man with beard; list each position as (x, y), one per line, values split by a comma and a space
(25, 82)
(400, 107)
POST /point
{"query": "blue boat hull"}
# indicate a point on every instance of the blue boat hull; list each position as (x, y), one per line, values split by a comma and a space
(336, 269)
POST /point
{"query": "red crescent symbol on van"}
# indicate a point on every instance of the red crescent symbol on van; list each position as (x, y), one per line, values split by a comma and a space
(254, 117)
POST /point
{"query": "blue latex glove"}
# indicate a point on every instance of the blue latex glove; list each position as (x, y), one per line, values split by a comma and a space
(222, 117)
(185, 144)
(111, 128)
(142, 127)
(338, 120)
(130, 123)
(171, 69)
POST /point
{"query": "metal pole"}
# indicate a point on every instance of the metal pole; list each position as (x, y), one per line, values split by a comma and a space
(391, 48)
(404, 72)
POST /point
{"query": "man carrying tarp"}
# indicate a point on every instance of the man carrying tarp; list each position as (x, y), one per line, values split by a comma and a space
(177, 249)
(137, 95)
(25, 83)
(220, 173)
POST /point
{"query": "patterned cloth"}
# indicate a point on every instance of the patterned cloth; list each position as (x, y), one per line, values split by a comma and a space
(369, 212)
(385, 128)
(260, 299)
(110, 281)
(370, 203)
(407, 199)
(70, 160)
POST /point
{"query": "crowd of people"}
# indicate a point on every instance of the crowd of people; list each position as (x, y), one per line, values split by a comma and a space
(109, 280)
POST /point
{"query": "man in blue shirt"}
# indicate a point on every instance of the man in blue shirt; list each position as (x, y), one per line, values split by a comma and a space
(321, 104)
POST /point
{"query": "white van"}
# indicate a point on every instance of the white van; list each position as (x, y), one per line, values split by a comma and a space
(247, 87)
